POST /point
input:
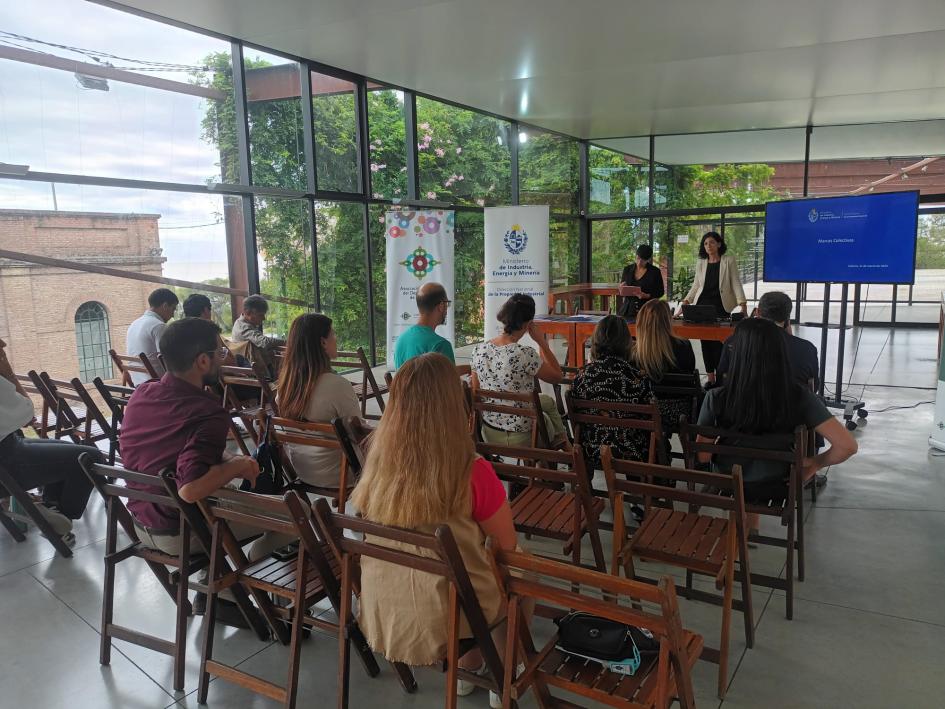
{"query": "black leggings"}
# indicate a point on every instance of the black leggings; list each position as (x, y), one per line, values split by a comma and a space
(711, 354)
(54, 465)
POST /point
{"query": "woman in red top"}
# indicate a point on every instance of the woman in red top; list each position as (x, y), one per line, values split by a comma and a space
(422, 471)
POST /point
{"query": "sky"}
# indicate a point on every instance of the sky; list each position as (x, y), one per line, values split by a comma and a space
(49, 122)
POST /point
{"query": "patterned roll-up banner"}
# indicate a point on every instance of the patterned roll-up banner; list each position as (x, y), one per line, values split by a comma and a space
(419, 250)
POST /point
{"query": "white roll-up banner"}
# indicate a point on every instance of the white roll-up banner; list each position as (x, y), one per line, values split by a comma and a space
(937, 437)
(419, 250)
(516, 259)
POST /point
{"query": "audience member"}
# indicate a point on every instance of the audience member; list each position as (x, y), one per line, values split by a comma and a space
(197, 305)
(422, 471)
(310, 391)
(174, 423)
(611, 376)
(38, 462)
(802, 355)
(658, 353)
(504, 364)
(759, 397)
(248, 328)
(422, 338)
(144, 334)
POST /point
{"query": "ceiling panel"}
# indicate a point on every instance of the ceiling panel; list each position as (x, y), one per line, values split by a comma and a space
(605, 68)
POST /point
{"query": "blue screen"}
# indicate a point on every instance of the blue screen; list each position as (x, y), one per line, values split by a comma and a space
(861, 239)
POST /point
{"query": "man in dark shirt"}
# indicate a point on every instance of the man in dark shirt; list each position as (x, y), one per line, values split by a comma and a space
(175, 423)
(802, 355)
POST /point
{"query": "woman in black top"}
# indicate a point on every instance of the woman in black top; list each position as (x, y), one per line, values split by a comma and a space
(647, 277)
(716, 283)
(659, 353)
(611, 376)
(761, 399)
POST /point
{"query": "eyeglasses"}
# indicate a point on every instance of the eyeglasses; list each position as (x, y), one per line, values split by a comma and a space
(448, 302)
(220, 352)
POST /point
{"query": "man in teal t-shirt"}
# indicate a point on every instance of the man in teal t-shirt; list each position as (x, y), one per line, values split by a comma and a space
(422, 338)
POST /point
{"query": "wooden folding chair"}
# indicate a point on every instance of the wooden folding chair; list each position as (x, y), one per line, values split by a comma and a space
(24, 500)
(116, 398)
(784, 502)
(350, 445)
(524, 404)
(129, 364)
(543, 508)
(108, 425)
(47, 419)
(656, 683)
(435, 554)
(87, 427)
(174, 582)
(559, 390)
(284, 431)
(677, 393)
(692, 540)
(367, 388)
(303, 580)
(247, 394)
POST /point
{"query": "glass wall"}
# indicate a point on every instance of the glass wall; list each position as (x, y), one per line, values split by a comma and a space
(463, 156)
(387, 143)
(618, 182)
(336, 133)
(274, 114)
(549, 170)
(342, 271)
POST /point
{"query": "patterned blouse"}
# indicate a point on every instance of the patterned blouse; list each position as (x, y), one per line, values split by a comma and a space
(510, 368)
(618, 381)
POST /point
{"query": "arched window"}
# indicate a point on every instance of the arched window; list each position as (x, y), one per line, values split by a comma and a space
(92, 341)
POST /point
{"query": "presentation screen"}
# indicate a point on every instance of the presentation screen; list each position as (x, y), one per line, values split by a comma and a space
(861, 239)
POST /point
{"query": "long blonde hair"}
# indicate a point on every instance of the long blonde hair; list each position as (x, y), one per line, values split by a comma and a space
(418, 466)
(654, 350)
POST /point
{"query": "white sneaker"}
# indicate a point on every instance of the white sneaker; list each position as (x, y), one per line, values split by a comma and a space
(61, 524)
(495, 701)
(464, 688)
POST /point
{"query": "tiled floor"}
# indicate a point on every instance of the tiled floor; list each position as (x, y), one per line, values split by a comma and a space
(868, 631)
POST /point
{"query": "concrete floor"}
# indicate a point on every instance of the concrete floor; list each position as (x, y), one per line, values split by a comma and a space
(868, 630)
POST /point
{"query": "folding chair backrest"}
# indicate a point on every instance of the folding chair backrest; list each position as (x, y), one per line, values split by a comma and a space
(537, 464)
(72, 419)
(654, 607)
(353, 452)
(116, 398)
(347, 362)
(245, 378)
(788, 448)
(719, 491)
(129, 364)
(525, 404)
(639, 417)
(94, 413)
(44, 423)
(106, 479)
(284, 431)
(446, 561)
(680, 385)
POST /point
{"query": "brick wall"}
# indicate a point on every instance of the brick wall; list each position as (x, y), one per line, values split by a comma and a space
(38, 304)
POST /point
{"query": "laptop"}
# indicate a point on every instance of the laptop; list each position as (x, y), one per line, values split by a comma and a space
(699, 314)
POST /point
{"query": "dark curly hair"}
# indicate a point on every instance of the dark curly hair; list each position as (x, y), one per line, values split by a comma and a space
(714, 235)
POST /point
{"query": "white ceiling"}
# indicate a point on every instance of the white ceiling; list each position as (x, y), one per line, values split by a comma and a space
(609, 68)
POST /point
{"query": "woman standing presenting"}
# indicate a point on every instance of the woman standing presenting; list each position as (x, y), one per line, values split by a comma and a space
(644, 276)
(717, 283)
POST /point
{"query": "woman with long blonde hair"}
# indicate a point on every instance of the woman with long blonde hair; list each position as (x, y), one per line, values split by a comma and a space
(657, 352)
(309, 390)
(422, 471)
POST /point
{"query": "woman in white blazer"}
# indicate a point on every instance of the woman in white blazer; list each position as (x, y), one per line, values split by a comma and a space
(717, 283)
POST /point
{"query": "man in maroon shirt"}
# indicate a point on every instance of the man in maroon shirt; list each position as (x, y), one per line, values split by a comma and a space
(175, 423)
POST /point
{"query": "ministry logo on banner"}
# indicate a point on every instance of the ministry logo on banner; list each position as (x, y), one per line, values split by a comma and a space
(515, 240)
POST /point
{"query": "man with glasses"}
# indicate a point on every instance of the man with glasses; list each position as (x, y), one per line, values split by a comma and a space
(433, 304)
(173, 422)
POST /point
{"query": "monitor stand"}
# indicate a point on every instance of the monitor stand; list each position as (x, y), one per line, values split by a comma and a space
(852, 408)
